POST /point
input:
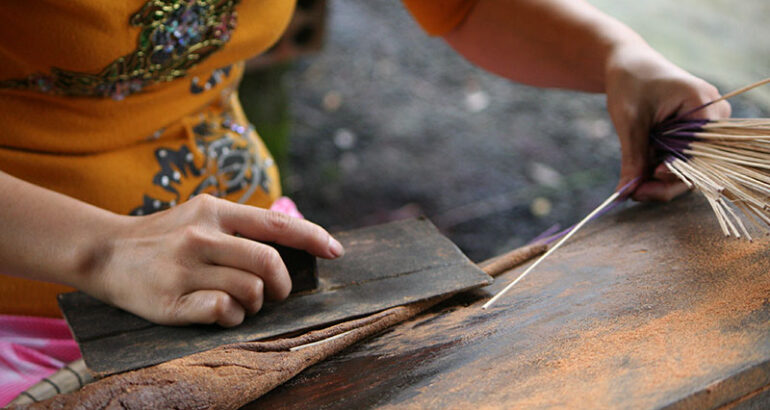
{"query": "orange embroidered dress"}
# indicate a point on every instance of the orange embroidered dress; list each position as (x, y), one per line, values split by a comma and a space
(131, 105)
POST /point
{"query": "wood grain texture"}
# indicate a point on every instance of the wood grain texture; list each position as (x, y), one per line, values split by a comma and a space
(649, 307)
(384, 266)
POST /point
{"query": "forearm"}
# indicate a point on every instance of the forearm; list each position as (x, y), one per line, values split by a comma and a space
(570, 44)
(546, 43)
(203, 261)
(49, 236)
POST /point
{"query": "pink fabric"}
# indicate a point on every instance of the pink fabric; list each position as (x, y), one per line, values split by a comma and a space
(31, 348)
(287, 206)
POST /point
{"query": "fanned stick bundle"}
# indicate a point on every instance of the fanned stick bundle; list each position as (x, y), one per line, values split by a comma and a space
(728, 161)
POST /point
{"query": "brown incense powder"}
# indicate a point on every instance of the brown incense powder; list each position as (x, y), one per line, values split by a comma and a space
(673, 331)
(664, 352)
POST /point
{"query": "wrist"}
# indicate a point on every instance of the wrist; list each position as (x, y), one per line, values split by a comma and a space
(93, 252)
(632, 56)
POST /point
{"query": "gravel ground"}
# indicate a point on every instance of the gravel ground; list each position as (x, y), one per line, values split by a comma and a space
(388, 123)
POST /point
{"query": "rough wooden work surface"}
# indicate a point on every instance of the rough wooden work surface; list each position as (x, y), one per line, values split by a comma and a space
(384, 266)
(649, 307)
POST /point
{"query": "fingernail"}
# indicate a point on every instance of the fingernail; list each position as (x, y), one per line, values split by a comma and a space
(335, 247)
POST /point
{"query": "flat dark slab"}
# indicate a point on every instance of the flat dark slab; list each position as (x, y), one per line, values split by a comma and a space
(648, 307)
(384, 266)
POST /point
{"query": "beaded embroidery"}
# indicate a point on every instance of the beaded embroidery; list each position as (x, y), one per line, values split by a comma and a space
(176, 35)
(215, 78)
(230, 164)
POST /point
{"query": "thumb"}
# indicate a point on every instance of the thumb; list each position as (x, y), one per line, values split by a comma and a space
(209, 306)
(634, 156)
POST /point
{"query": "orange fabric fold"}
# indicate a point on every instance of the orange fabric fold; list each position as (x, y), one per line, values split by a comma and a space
(439, 17)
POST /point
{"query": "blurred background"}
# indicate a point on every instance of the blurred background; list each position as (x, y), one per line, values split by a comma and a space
(371, 120)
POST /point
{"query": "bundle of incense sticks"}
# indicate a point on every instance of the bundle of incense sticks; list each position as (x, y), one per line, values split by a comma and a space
(727, 160)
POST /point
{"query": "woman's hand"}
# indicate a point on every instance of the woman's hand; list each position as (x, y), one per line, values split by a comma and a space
(643, 89)
(186, 265)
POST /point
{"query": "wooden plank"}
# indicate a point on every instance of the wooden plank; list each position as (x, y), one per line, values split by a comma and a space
(384, 266)
(647, 308)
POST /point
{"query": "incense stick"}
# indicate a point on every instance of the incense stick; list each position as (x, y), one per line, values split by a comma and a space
(725, 97)
(572, 231)
(322, 341)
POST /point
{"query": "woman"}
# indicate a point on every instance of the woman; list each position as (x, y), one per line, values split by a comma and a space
(117, 117)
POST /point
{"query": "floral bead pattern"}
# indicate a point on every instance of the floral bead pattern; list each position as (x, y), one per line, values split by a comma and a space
(224, 163)
(176, 35)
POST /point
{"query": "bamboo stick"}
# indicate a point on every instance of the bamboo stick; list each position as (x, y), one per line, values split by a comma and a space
(577, 227)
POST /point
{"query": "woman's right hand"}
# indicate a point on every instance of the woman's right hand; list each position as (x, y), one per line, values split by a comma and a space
(186, 264)
(644, 89)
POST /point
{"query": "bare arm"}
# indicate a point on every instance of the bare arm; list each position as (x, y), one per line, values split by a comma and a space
(570, 44)
(545, 43)
(183, 265)
(48, 236)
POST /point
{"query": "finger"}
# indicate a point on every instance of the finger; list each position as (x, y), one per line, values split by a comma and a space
(662, 173)
(704, 94)
(271, 226)
(659, 191)
(209, 306)
(632, 124)
(719, 110)
(253, 258)
(246, 288)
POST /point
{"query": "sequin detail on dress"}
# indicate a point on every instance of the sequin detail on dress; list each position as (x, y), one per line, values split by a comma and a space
(176, 35)
(216, 77)
(227, 163)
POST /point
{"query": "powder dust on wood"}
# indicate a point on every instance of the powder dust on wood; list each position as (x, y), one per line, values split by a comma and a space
(691, 309)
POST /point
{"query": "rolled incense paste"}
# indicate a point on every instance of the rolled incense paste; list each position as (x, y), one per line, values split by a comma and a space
(227, 377)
